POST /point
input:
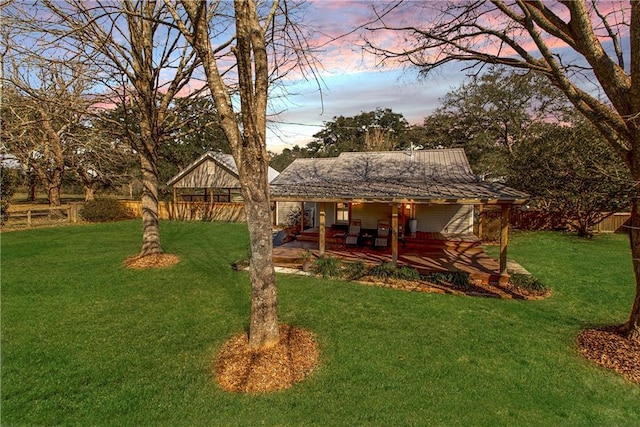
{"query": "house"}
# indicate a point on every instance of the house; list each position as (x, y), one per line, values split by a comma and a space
(209, 187)
(211, 177)
(422, 191)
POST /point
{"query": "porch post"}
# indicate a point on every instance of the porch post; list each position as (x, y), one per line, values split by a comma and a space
(322, 236)
(504, 240)
(480, 221)
(394, 233)
(302, 217)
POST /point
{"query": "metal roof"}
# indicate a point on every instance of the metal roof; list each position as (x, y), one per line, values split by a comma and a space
(225, 160)
(435, 176)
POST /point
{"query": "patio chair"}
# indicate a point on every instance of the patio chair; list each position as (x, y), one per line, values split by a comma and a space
(353, 233)
(382, 237)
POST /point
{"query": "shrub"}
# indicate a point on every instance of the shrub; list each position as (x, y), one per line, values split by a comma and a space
(104, 210)
(407, 273)
(456, 278)
(328, 266)
(383, 271)
(387, 270)
(6, 191)
(527, 282)
(354, 270)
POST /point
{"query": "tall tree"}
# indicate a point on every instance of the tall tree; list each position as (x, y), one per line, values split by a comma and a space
(490, 114)
(100, 161)
(199, 132)
(44, 105)
(571, 173)
(146, 67)
(280, 161)
(243, 65)
(571, 43)
(378, 130)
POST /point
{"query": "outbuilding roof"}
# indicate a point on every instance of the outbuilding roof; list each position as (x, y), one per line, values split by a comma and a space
(434, 176)
(204, 180)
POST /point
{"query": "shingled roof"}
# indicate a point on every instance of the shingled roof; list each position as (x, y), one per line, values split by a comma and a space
(434, 176)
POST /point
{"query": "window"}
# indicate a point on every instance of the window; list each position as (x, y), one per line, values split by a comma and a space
(221, 195)
(342, 212)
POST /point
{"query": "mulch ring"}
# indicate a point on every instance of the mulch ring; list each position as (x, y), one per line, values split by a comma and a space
(607, 347)
(242, 370)
(478, 289)
(152, 261)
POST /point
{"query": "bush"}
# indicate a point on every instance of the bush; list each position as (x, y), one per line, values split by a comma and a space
(407, 273)
(104, 210)
(328, 266)
(354, 270)
(383, 271)
(458, 279)
(6, 191)
(528, 282)
(387, 270)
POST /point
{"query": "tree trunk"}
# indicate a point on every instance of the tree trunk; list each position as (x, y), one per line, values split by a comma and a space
(247, 143)
(54, 183)
(150, 223)
(33, 187)
(263, 326)
(54, 196)
(632, 328)
(89, 193)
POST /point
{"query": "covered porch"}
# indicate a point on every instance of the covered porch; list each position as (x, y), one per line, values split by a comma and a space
(412, 208)
(426, 252)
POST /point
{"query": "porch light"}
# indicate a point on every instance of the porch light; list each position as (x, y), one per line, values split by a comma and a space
(407, 206)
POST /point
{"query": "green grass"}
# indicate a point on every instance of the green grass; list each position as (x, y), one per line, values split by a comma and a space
(88, 342)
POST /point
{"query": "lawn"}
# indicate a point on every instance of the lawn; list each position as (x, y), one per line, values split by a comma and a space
(87, 342)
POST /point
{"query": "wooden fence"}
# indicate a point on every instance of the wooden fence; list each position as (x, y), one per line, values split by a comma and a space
(536, 220)
(615, 223)
(68, 213)
(193, 211)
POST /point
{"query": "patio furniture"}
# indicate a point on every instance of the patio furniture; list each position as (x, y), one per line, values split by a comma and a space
(353, 233)
(382, 239)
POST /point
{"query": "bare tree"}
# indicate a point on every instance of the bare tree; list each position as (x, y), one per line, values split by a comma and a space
(145, 65)
(574, 44)
(244, 64)
(100, 160)
(44, 104)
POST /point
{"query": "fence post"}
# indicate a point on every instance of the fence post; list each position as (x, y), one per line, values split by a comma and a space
(29, 218)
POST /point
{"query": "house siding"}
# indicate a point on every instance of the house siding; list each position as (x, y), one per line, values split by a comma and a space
(208, 175)
(283, 210)
(456, 219)
(370, 213)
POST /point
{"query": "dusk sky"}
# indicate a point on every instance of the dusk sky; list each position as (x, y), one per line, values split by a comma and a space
(353, 83)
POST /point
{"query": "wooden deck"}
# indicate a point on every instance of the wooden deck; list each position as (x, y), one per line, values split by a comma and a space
(426, 252)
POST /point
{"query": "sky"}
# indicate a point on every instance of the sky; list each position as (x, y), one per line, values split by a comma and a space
(352, 82)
